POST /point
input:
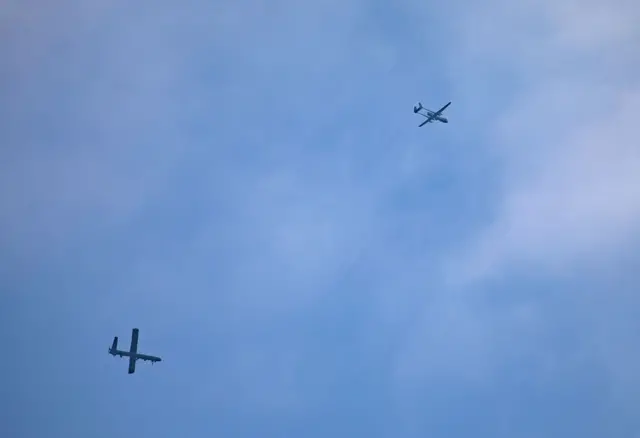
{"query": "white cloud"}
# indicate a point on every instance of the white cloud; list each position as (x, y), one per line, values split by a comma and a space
(594, 25)
(567, 144)
(575, 198)
(564, 142)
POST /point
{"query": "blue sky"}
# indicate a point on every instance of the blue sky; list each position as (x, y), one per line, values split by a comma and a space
(246, 183)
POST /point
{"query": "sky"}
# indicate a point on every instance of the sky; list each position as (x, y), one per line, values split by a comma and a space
(245, 182)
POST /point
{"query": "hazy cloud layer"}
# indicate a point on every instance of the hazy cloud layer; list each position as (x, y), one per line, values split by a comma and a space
(246, 183)
(567, 141)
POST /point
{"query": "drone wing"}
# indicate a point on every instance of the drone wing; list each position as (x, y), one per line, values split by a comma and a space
(429, 120)
(442, 109)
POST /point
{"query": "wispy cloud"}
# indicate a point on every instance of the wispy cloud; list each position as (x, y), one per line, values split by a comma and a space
(567, 142)
(564, 201)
